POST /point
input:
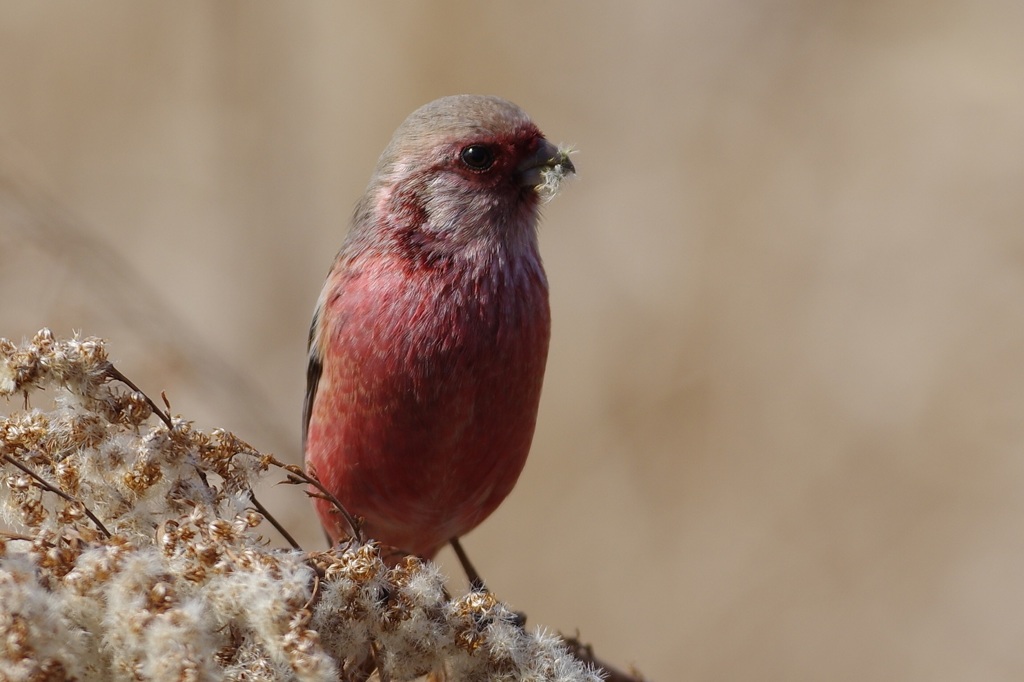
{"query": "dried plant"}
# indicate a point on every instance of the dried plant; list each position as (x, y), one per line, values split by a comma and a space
(135, 551)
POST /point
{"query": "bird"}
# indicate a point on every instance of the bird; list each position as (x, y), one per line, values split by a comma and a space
(429, 340)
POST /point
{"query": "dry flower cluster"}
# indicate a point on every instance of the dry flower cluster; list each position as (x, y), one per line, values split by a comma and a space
(134, 551)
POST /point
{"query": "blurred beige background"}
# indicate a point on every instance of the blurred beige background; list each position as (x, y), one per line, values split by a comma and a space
(781, 435)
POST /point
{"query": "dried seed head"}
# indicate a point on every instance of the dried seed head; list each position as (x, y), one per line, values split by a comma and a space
(116, 539)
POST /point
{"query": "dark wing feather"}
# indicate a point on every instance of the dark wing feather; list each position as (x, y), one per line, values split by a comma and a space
(313, 372)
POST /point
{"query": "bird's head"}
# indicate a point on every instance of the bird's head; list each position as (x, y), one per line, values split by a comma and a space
(463, 170)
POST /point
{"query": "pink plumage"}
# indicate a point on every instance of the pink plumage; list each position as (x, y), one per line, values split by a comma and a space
(428, 345)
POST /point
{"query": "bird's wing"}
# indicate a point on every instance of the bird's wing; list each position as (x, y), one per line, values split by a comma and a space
(313, 372)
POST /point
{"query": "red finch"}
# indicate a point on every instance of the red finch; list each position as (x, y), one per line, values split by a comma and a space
(428, 345)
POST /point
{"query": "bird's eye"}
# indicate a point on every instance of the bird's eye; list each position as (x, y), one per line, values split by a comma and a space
(478, 157)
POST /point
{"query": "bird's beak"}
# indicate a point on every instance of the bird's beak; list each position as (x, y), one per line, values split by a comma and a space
(546, 164)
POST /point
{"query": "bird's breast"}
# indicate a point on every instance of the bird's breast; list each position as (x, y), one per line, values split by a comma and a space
(429, 393)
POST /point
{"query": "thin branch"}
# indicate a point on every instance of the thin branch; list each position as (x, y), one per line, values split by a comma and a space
(314, 595)
(115, 373)
(41, 482)
(376, 653)
(274, 522)
(296, 476)
(6, 535)
(585, 653)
